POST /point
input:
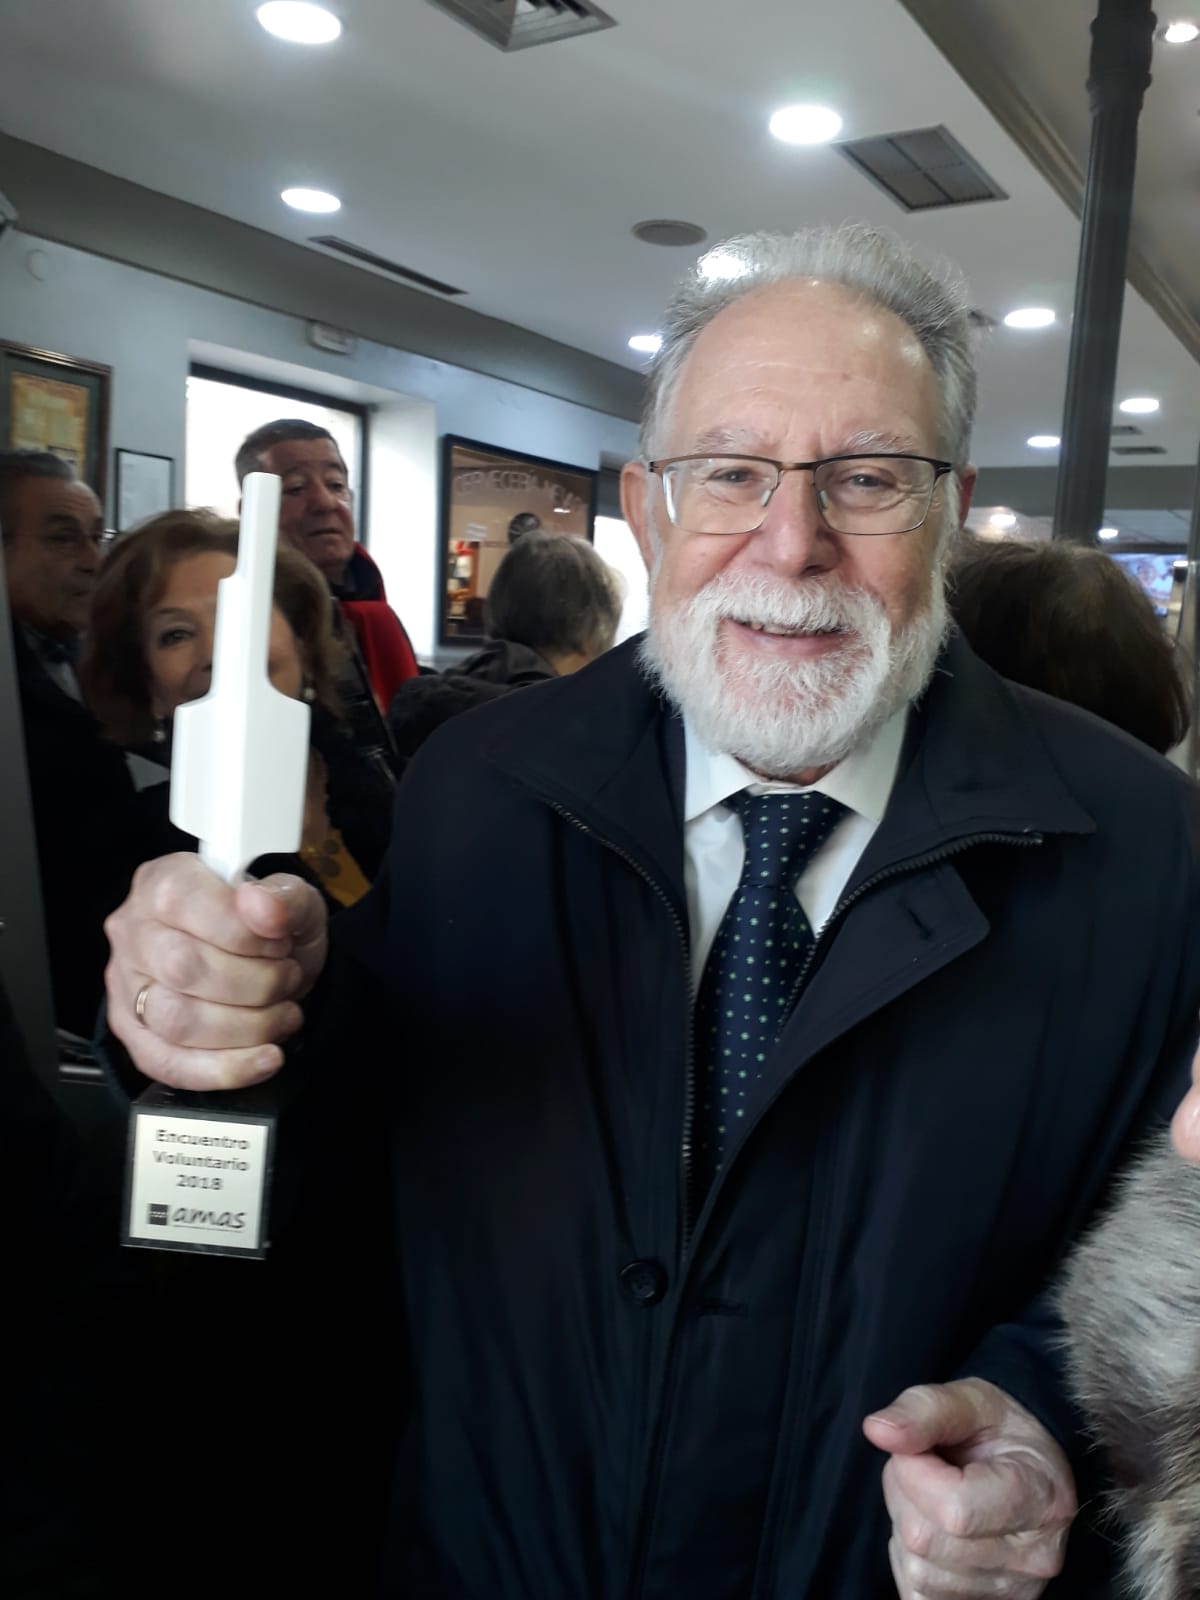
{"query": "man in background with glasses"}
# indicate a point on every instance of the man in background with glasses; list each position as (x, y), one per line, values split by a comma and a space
(759, 1014)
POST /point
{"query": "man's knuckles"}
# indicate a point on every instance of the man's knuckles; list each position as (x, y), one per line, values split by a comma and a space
(162, 887)
(1044, 1556)
(915, 1532)
(176, 961)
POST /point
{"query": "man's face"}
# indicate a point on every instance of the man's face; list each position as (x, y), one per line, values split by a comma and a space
(316, 511)
(52, 553)
(795, 373)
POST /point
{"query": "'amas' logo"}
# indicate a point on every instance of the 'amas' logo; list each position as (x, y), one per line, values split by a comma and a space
(187, 1217)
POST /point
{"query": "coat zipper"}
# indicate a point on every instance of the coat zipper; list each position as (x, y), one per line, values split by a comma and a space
(689, 1092)
(897, 869)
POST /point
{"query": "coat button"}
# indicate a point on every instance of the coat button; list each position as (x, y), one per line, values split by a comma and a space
(643, 1282)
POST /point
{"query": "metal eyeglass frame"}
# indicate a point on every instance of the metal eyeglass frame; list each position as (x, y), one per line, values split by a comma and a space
(940, 469)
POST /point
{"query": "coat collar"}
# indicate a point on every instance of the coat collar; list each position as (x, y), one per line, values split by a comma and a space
(606, 747)
(975, 762)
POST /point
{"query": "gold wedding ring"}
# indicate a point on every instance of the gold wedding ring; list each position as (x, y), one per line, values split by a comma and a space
(139, 1005)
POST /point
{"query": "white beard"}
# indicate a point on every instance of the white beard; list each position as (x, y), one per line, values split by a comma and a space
(779, 717)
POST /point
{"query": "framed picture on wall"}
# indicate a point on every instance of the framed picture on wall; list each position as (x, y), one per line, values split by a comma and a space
(145, 486)
(56, 403)
(490, 499)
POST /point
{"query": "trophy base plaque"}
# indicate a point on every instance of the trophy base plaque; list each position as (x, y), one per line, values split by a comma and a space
(197, 1172)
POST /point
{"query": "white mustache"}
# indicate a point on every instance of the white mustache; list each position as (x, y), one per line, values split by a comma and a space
(823, 606)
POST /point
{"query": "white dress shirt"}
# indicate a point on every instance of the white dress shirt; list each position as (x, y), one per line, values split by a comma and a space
(714, 849)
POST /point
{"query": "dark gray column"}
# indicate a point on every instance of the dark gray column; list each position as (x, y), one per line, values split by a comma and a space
(1187, 642)
(1122, 45)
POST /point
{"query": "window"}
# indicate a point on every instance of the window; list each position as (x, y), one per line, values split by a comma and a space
(223, 408)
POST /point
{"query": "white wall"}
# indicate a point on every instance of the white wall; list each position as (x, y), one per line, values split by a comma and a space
(404, 460)
(149, 328)
(615, 542)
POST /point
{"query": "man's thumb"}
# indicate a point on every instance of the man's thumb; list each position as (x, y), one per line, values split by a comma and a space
(282, 907)
(931, 1415)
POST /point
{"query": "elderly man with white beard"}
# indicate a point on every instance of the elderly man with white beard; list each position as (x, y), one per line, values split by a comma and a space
(746, 1024)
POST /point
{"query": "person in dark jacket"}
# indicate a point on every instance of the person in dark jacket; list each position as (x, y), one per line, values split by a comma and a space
(552, 607)
(80, 789)
(1067, 620)
(760, 1013)
(316, 515)
(71, 1318)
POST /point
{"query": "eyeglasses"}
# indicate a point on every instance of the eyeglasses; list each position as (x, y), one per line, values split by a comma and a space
(73, 545)
(861, 495)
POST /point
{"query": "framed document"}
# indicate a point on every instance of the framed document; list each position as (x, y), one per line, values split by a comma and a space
(490, 498)
(145, 486)
(56, 403)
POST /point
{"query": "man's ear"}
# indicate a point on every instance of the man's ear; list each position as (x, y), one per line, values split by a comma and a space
(636, 488)
(967, 479)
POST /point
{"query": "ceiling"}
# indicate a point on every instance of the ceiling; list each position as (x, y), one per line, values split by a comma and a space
(1029, 62)
(518, 177)
(1135, 529)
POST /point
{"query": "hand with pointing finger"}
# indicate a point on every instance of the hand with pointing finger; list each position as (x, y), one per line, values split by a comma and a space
(980, 1496)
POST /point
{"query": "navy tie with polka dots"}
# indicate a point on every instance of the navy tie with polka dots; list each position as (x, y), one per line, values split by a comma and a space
(762, 944)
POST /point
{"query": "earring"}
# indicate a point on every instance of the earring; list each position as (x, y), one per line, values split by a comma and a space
(160, 730)
(310, 694)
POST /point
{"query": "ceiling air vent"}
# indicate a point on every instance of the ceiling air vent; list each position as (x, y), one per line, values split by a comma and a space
(1124, 430)
(1139, 449)
(923, 169)
(368, 258)
(660, 230)
(517, 24)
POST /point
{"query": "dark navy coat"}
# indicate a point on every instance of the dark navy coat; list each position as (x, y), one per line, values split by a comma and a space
(610, 1403)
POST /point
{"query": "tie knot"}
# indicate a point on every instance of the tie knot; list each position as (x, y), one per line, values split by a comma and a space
(783, 831)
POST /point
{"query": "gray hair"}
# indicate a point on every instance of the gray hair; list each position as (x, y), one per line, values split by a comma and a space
(870, 262)
(554, 594)
(18, 465)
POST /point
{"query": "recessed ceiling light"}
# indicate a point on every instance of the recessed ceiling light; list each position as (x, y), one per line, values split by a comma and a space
(1110, 533)
(805, 124)
(646, 344)
(1002, 519)
(1139, 405)
(1030, 317)
(1043, 441)
(1181, 32)
(722, 266)
(310, 200)
(299, 22)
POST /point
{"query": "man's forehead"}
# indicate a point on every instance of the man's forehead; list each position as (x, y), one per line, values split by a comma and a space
(805, 320)
(811, 343)
(294, 455)
(58, 497)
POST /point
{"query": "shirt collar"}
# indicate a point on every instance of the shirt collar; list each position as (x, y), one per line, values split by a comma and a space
(53, 652)
(862, 782)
